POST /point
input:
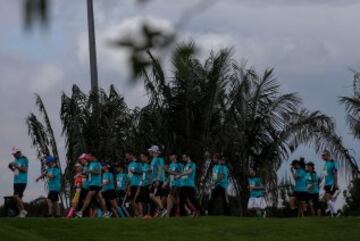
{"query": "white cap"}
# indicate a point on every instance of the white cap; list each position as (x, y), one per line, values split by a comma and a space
(15, 150)
(154, 148)
(82, 156)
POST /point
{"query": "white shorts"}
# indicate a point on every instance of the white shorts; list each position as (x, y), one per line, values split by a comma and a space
(256, 203)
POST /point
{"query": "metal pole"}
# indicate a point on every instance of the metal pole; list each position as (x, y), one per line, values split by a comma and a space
(92, 46)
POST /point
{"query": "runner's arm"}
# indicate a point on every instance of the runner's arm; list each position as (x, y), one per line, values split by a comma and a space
(187, 173)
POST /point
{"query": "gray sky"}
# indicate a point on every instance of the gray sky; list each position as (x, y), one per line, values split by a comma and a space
(310, 43)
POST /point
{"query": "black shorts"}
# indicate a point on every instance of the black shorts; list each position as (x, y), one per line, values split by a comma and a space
(174, 191)
(159, 191)
(96, 189)
(83, 194)
(19, 189)
(144, 195)
(133, 191)
(109, 195)
(165, 191)
(300, 196)
(314, 200)
(330, 189)
(120, 194)
(53, 196)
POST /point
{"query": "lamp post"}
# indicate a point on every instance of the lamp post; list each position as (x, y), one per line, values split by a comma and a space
(92, 46)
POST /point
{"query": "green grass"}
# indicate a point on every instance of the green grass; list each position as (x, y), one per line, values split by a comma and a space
(198, 229)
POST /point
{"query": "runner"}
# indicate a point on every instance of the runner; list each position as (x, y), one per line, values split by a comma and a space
(188, 191)
(20, 169)
(158, 172)
(220, 175)
(313, 182)
(84, 160)
(173, 199)
(300, 191)
(108, 191)
(121, 184)
(256, 201)
(53, 175)
(94, 178)
(331, 185)
(135, 175)
(78, 183)
(145, 186)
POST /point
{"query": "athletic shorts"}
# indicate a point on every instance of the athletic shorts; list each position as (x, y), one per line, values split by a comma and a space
(53, 196)
(133, 191)
(19, 189)
(314, 200)
(96, 189)
(165, 191)
(330, 189)
(159, 191)
(109, 195)
(174, 191)
(83, 194)
(121, 194)
(144, 195)
(300, 196)
(256, 203)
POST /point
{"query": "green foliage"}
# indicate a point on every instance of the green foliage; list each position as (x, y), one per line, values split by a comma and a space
(352, 198)
(213, 105)
(96, 123)
(352, 108)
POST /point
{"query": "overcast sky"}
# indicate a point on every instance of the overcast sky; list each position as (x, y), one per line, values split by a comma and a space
(310, 43)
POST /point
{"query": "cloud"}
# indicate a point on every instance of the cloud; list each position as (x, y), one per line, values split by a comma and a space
(113, 58)
(47, 78)
(264, 3)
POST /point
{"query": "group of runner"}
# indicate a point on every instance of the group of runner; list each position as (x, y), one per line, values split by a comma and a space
(307, 186)
(146, 187)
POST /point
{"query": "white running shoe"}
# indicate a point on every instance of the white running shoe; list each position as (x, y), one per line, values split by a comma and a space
(107, 214)
(23, 213)
(327, 210)
(163, 213)
(79, 214)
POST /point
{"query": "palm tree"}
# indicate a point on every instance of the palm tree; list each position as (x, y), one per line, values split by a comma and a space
(96, 123)
(215, 105)
(221, 106)
(43, 138)
(352, 107)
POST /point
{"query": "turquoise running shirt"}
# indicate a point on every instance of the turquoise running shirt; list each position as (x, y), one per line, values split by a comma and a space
(330, 169)
(54, 183)
(21, 177)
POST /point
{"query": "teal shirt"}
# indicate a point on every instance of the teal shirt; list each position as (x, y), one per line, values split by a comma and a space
(146, 176)
(135, 179)
(218, 170)
(95, 179)
(300, 182)
(175, 167)
(86, 182)
(256, 182)
(329, 168)
(54, 183)
(156, 163)
(313, 180)
(109, 178)
(121, 181)
(189, 180)
(21, 177)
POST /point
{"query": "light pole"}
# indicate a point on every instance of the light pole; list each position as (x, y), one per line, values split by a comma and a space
(92, 46)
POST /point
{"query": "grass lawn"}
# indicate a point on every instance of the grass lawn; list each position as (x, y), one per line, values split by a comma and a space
(182, 229)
